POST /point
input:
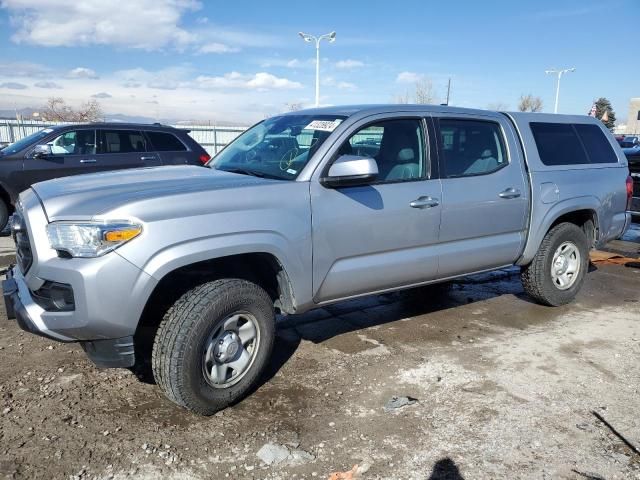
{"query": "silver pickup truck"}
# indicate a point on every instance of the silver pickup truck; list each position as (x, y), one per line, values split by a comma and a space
(186, 267)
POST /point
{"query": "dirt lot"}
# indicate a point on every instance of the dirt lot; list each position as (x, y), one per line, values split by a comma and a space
(505, 389)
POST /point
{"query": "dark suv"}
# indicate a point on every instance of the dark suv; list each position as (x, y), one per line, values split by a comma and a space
(76, 149)
(633, 156)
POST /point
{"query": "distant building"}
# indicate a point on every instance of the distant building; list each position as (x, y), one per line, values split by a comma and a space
(633, 121)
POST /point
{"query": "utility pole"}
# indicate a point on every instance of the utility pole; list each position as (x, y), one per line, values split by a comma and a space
(559, 73)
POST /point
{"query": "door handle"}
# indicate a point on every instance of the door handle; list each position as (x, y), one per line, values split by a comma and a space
(148, 158)
(424, 202)
(510, 193)
(88, 160)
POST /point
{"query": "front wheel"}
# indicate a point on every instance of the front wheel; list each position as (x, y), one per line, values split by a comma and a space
(558, 270)
(213, 344)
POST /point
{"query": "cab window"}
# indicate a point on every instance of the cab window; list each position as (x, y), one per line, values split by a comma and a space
(122, 141)
(75, 142)
(471, 147)
(396, 145)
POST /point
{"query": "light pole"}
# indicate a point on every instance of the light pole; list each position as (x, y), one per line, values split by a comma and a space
(331, 37)
(559, 73)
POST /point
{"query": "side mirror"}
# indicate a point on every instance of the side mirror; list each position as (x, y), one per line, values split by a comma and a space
(41, 151)
(351, 170)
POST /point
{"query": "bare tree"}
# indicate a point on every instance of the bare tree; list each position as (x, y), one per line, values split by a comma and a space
(57, 110)
(402, 98)
(498, 106)
(529, 103)
(293, 106)
(425, 92)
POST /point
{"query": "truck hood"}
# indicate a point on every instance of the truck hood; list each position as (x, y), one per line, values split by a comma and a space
(83, 197)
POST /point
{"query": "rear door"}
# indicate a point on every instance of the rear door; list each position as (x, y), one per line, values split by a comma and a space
(72, 152)
(170, 149)
(123, 148)
(485, 194)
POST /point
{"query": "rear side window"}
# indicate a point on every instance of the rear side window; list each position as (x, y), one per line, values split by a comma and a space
(121, 141)
(165, 142)
(567, 144)
(471, 147)
(596, 144)
(558, 144)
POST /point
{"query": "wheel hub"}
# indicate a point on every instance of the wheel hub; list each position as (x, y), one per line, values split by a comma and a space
(561, 264)
(227, 347)
(565, 267)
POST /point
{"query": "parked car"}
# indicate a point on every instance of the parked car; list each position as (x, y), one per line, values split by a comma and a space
(185, 267)
(629, 141)
(633, 156)
(76, 149)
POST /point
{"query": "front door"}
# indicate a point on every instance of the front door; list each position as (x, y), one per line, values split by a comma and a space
(485, 195)
(379, 236)
(72, 152)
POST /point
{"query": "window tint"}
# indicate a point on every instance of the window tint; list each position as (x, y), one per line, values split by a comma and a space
(396, 145)
(558, 144)
(471, 147)
(598, 147)
(165, 142)
(76, 142)
(122, 141)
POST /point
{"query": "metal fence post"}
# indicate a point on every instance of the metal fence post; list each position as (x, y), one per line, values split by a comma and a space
(215, 140)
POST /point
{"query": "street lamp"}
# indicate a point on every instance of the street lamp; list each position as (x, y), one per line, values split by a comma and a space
(559, 73)
(331, 37)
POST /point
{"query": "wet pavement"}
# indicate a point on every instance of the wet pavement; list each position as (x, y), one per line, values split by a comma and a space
(505, 388)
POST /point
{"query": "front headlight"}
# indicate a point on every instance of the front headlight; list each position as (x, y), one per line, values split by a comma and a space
(89, 239)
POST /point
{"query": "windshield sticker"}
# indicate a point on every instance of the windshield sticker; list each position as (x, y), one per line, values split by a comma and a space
(324, 125)
(291, 171)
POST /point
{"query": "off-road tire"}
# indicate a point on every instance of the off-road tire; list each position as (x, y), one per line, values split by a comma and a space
(536, 277)
(4, 215)
(178, 347)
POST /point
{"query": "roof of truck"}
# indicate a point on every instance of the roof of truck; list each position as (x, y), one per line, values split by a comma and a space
(349, 110)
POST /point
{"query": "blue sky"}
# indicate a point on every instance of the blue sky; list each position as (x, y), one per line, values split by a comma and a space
(242, 60)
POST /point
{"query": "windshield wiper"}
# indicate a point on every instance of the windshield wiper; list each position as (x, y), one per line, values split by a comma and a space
(253, 173)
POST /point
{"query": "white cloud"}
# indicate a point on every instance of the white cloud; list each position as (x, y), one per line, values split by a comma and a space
(14, 86)
(332, 82)
(349, 64)
(101, 95)
(146, 24)
(23, 69)
(216, 47)
(409, 77)
(47, 84)
(259, 81)
(82, 72)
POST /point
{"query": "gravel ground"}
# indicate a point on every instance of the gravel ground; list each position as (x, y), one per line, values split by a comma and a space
(504, 388)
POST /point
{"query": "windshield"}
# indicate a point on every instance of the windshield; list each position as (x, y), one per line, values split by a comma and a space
(278, 147)
(26, 141)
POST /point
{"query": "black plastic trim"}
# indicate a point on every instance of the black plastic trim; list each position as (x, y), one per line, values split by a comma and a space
(111, 353)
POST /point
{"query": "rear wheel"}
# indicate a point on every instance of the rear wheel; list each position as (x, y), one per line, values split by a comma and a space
(213, 344)
(558, 270)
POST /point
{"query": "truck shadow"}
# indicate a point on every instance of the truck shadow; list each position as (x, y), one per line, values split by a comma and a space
(433, 305)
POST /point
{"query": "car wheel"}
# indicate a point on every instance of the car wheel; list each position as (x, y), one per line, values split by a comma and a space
(4, 215)
(213, 344)
(558, 270)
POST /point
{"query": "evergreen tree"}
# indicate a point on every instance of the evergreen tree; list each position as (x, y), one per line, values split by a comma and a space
(604, 112)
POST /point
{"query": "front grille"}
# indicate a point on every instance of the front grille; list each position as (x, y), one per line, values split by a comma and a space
(24, 255)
